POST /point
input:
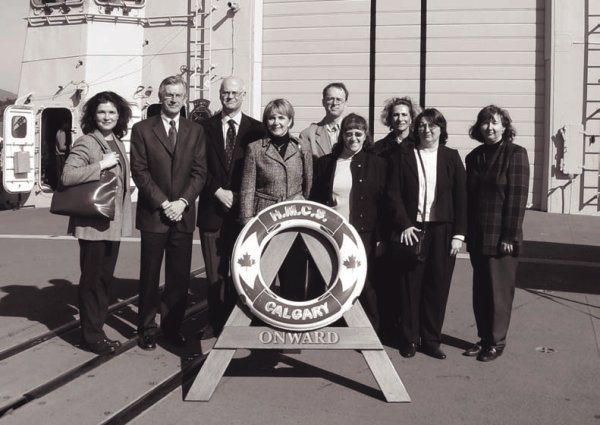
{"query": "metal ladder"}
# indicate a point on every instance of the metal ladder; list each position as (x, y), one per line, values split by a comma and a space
(199, 63)
(591, 112)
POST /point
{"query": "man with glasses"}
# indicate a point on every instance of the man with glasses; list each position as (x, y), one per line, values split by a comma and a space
(324, 134)
(168, 166)
(228, 133)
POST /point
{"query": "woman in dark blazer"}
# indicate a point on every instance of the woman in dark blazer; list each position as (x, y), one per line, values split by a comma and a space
(278, 168)
(433, 172)
(497, 189)
(351, 180)
(105, 119)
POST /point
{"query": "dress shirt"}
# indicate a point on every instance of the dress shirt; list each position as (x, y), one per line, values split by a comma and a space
(333, 130)
(429, 157)
(167, 122)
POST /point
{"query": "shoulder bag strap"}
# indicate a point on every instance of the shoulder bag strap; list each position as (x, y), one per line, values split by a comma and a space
(425, 178)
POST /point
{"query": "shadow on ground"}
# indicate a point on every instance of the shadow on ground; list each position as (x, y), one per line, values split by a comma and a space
(559, 267)
(32, 304)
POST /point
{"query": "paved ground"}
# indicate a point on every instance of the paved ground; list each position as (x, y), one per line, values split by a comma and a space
(548, 375)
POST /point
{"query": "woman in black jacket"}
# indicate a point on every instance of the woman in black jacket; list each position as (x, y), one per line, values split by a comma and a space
(351, 180)
(427, 194)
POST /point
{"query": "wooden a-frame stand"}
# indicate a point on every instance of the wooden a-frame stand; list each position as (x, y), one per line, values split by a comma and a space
(238, 334)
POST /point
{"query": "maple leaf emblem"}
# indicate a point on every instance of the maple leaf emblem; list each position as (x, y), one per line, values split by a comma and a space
(246, 261)
(351, 262)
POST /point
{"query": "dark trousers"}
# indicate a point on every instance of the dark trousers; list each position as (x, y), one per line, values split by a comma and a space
(425, 286)
(494, 281)
(177, 249)
(97, 260)
(383, 273)
(368, 296)
(217, 247)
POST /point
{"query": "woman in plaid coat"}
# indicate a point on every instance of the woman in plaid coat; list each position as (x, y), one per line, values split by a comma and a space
(497, 188)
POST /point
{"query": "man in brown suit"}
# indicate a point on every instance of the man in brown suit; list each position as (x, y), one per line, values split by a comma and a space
(168, 164)
(324, 134)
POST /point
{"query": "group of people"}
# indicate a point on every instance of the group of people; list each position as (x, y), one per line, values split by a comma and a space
(408, 187)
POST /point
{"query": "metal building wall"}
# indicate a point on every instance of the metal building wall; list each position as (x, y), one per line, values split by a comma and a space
(307, 44)
(477, 53)
(484, 52)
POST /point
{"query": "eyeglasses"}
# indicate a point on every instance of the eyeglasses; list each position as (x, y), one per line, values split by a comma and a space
(334, 100)
(234, 94)
(356, 133)
(430, 126)
(171, 96)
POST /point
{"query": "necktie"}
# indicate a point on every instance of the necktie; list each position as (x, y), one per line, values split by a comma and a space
(172, 133)
(230, 142)
(333, 134)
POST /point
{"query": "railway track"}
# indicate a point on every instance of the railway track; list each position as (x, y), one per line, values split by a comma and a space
(48, 378)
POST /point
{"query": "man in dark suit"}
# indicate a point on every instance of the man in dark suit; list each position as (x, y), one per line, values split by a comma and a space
(227, 134)
(168, 164)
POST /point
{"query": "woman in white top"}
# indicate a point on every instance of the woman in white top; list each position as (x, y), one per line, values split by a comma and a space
(427, 194)
(351, 180)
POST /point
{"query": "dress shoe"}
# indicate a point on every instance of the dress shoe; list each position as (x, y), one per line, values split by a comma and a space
(176, 339)
(408, 350)
(473, 351)
(208, 332)
(147, 342)
(489, 354)
(433, 350)
(101, 347)
(113, 342)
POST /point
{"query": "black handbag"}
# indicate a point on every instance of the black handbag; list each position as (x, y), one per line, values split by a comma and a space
(90, 199)
(416, 251)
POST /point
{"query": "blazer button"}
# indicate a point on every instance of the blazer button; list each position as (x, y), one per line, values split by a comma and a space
(359, 165)
(361, 216)
(360, 180)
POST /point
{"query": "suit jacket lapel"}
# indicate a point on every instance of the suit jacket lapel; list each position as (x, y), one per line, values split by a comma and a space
(443, 160)
(216, 129)
(291, 150)
(100, 138)
(161, 134)
(411, 161)
(271, 152)
(182, 139)
(322, 139)
(124, 167)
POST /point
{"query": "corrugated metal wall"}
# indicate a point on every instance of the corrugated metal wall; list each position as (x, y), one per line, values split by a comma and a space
(478, 52)
(307, 44)
(482, 52)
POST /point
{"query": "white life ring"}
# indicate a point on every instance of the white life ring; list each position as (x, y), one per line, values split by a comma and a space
(347, 283)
